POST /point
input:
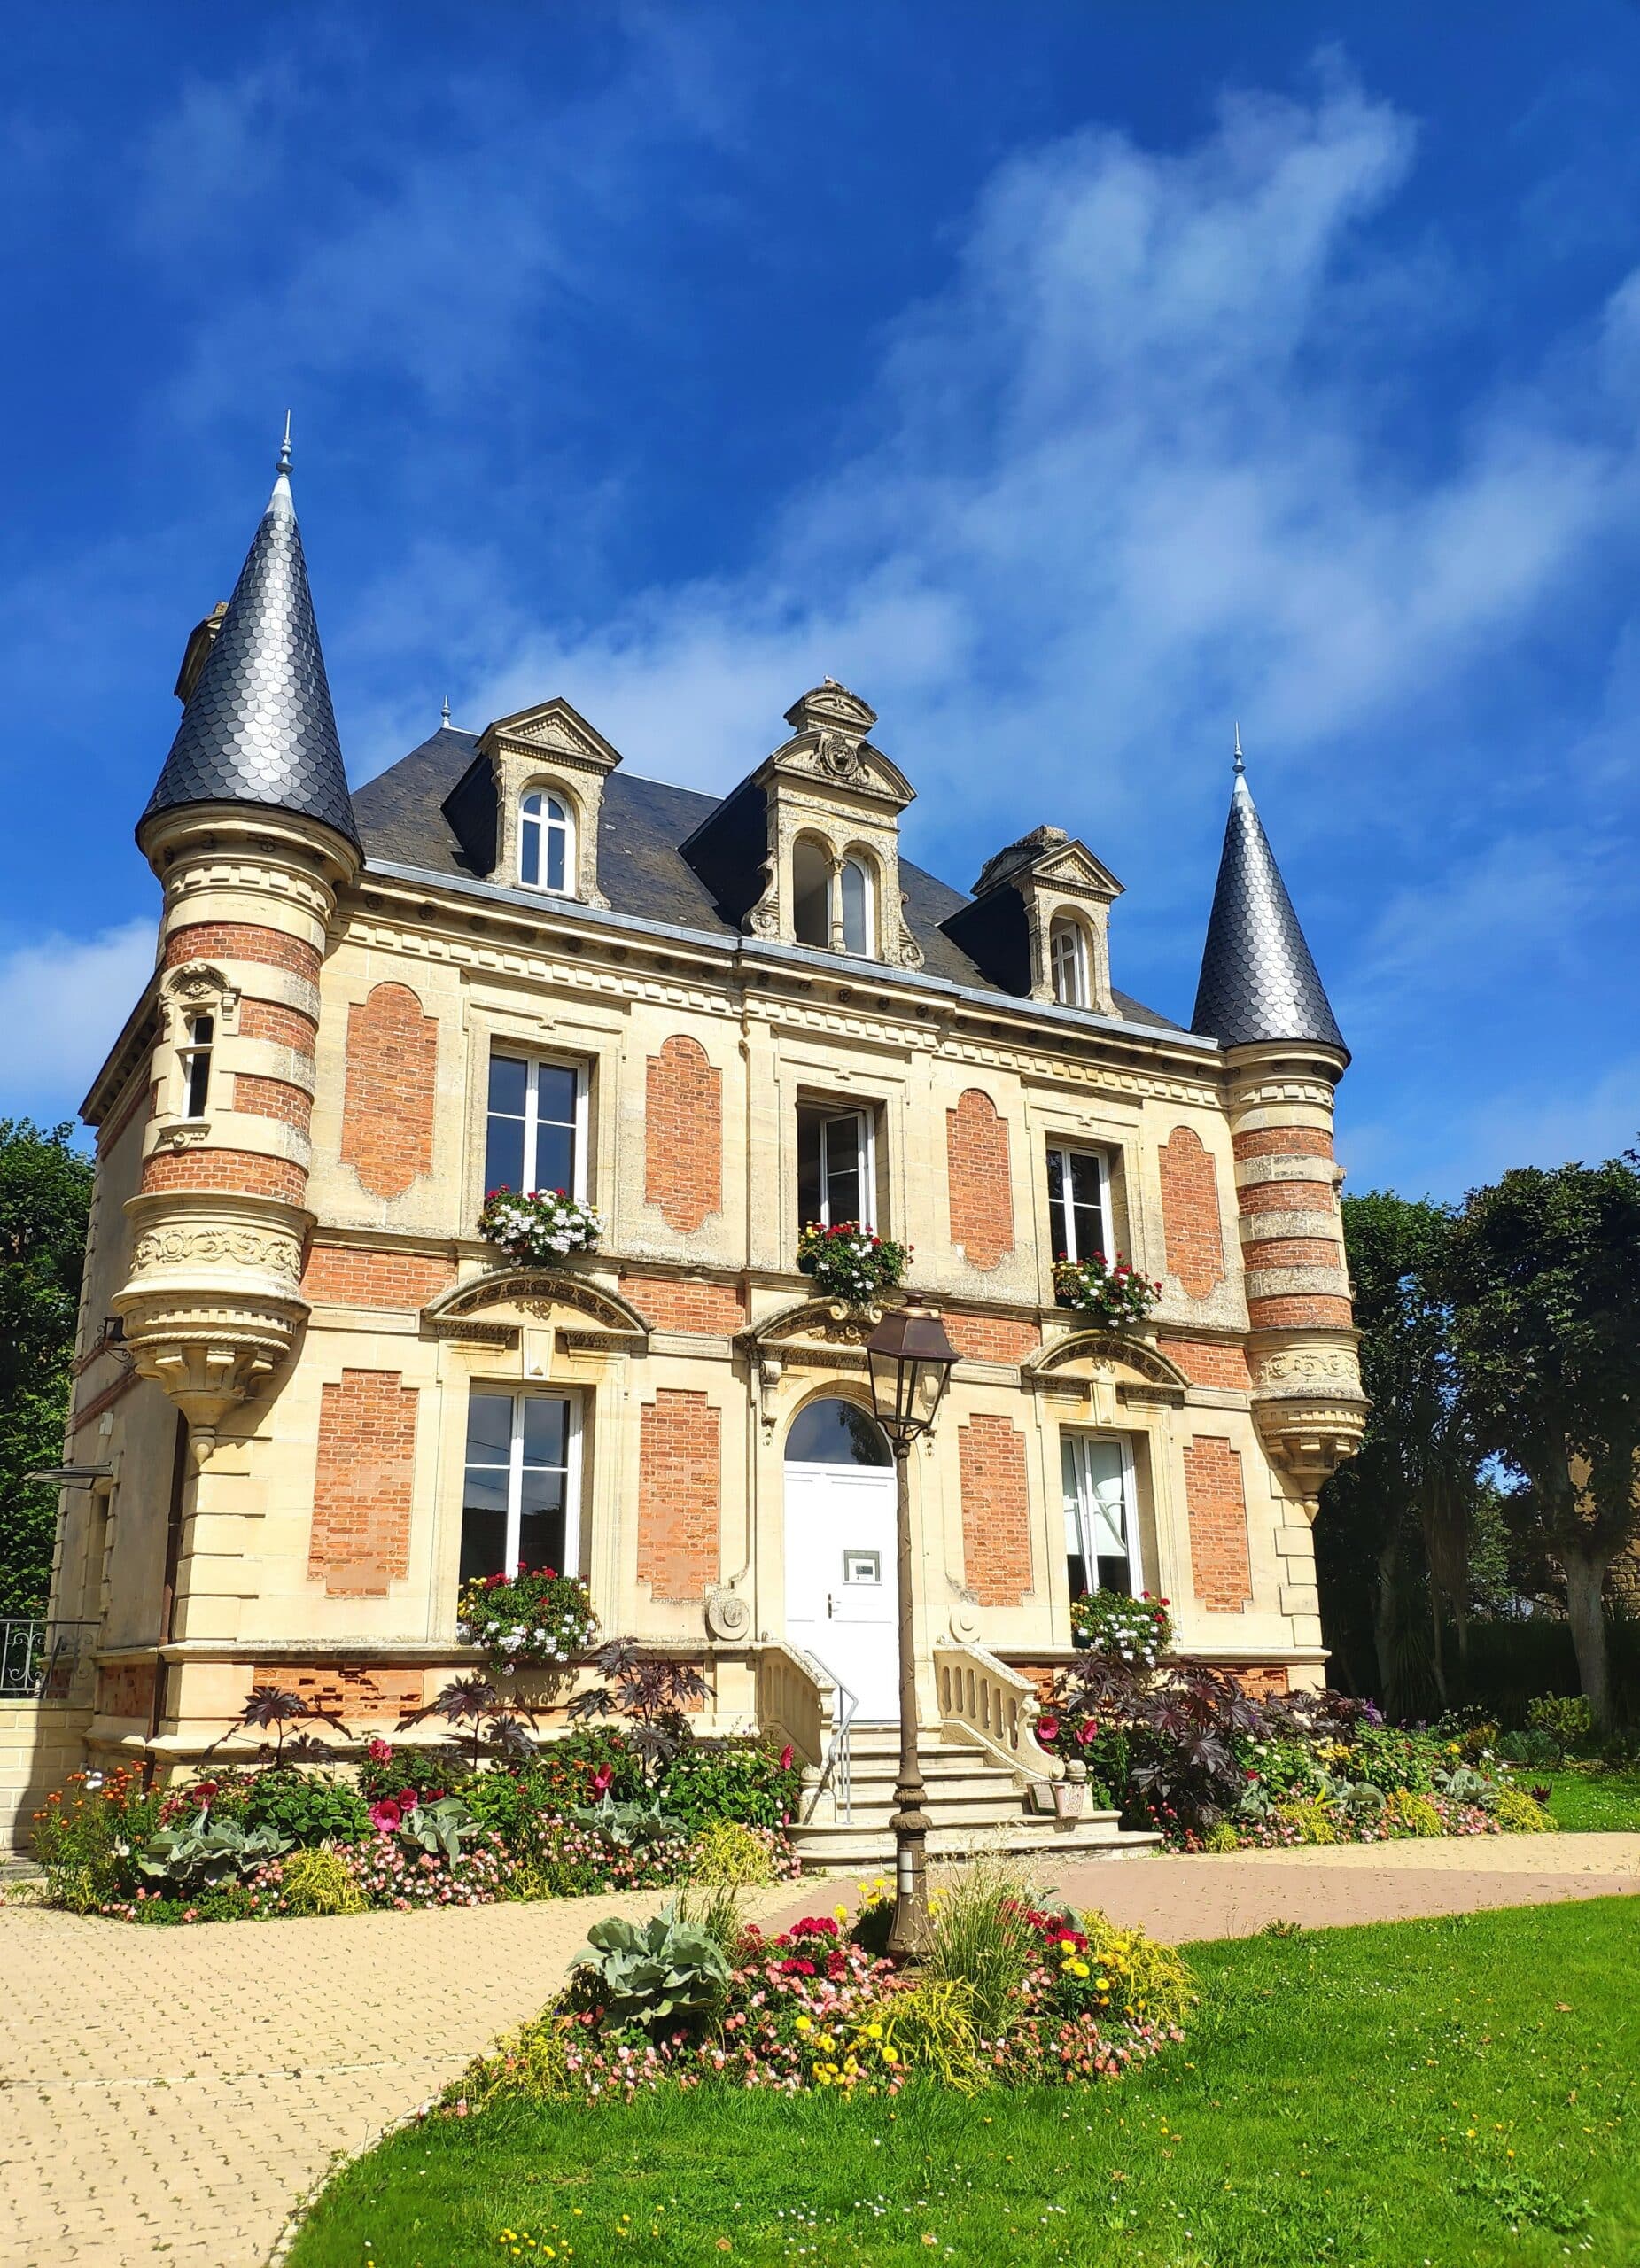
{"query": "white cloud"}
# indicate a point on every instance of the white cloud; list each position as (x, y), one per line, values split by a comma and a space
(63, 1001)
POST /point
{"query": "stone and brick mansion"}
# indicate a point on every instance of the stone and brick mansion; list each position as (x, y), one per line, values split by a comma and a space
(310, 1398)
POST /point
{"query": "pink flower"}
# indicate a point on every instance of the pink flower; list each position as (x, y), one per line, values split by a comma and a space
(1086, 1732)
(601, 1780)
(1047, 1728)
(380, 1751)
(385, 1816)
(786, 1758)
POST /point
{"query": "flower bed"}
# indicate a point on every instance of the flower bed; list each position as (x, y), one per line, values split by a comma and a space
(419, 1827)
(850, 1262)
(1183, 1750)
(1011, 1993)
(535, 1229)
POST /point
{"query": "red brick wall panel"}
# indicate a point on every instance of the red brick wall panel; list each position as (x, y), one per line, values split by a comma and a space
(357, 1696)
(362, 1483)
(981, 1184)
(992, 1338)
(683, 1134)
(277, 1098)
(1299, 1311)
(241, 941)
(126, 1689)
(285, 1027)
(1286, 1197)
(1220, 1567)
(1208, 1361)
(244, 1171)
(1190, 1214)
(679, 1494)
(391, 1095)
(1283, 1142)
(673, 1304)
(996, 1511)
(347, 1275)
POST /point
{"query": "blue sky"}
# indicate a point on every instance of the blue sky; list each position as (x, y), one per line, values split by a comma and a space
(1070, 380)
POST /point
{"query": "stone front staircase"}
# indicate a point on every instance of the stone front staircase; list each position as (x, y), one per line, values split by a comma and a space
(988, 1787)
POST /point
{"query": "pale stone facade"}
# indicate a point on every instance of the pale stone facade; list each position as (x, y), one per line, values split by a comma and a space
(288, 1310)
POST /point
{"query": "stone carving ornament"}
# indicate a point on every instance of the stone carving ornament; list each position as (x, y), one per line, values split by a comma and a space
(173, 1248)
(729, 1616)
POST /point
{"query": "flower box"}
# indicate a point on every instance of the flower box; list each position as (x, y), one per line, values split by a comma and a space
(541, 1229)
(851, 1262)
(1105, 1291)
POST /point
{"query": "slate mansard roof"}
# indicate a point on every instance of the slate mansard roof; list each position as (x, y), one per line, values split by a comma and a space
(640, 869)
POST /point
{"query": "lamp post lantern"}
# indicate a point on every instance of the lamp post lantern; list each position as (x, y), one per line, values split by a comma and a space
(911, 1361)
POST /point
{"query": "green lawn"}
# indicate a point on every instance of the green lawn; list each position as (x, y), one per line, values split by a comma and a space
(1591, 1800)
(1444, 2093)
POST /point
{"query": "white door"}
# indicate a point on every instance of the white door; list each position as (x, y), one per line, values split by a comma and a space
(842, 1597)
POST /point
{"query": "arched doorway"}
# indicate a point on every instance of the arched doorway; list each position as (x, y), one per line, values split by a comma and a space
(842, 1595)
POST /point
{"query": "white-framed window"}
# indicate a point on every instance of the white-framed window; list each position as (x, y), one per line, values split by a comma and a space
(1078, 1203)
(1067, 961)
(836, 1167)
(546, 841)
(521, 1497)
(535, 1137)
(195, 1056)
(811, 892)
(1101, 1514)
(857, 892)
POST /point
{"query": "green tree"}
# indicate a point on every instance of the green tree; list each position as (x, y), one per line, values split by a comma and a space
(1395, 1521)
(45, 1196)
(1543, 1273)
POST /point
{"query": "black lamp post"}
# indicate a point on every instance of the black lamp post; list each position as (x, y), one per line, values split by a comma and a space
(911, 1361)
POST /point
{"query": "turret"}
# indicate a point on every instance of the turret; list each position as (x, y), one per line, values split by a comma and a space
(1261, 998)
(250, 833)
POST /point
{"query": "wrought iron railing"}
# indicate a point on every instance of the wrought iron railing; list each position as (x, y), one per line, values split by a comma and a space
(38, 1659)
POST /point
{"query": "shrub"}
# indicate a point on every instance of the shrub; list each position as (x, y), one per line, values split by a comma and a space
(570, 1767)
(315, 1881)
(86, 1835)
(1220, 1839)
(1567, 1717)
(1109, 1622)
(530, 2064)
(1408, 1812)
(388, 1768)
(979, 1936)
(1311, 1817)
(736, 1780)
(311, 1807)
(726, 1852)
(1519, 1814)
(1538, 1751)
(930, 2026)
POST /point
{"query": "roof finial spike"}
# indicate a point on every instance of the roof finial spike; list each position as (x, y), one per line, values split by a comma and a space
(445, 712)
(285, 446)
(1240, 766)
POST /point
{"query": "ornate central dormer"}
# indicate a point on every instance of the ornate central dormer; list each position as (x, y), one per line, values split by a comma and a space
(806, 852)
(1039, 920)
(546, 767)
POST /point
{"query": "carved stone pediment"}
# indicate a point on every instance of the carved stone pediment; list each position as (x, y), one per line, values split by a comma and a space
(824, 1324)
(552, 728)
(1133, 1368)
(837, 765)
(1075, 868)
(498, 1306)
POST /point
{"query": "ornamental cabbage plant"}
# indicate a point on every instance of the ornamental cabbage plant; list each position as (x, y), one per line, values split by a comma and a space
(533, 1231)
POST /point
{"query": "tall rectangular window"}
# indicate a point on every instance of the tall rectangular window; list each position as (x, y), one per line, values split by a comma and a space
(521, 1505)
(1078, 1204)
(836, 1167)
(1101, 1538)
(536, 1136)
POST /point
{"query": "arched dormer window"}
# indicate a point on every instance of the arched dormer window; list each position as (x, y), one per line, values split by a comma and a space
(811, 892)
(1067, 962)
(857, 908)
(546, 841)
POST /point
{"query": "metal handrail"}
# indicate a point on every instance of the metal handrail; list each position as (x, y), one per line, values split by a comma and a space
(837, 1768)
(38, 1659)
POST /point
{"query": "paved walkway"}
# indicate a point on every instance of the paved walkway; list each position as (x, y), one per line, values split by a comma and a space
(1180, 1898)
(172, 2094)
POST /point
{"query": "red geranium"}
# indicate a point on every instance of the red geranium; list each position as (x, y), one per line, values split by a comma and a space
(380, 1751)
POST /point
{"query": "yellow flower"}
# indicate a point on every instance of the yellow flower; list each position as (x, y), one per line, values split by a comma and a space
(874, 2032)
(1078, 1967)
(890, 2055)
(805, 2023)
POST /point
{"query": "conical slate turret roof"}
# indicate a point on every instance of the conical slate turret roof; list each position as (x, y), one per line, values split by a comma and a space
(1258, 981)
(259, 727)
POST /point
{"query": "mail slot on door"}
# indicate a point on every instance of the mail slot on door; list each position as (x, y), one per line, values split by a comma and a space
(862, 1566)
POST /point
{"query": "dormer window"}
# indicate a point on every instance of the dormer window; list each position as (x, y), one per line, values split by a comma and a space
(1068, 959)
(546, 843)
(811, 892)
(857, 908)
(196, 1062)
